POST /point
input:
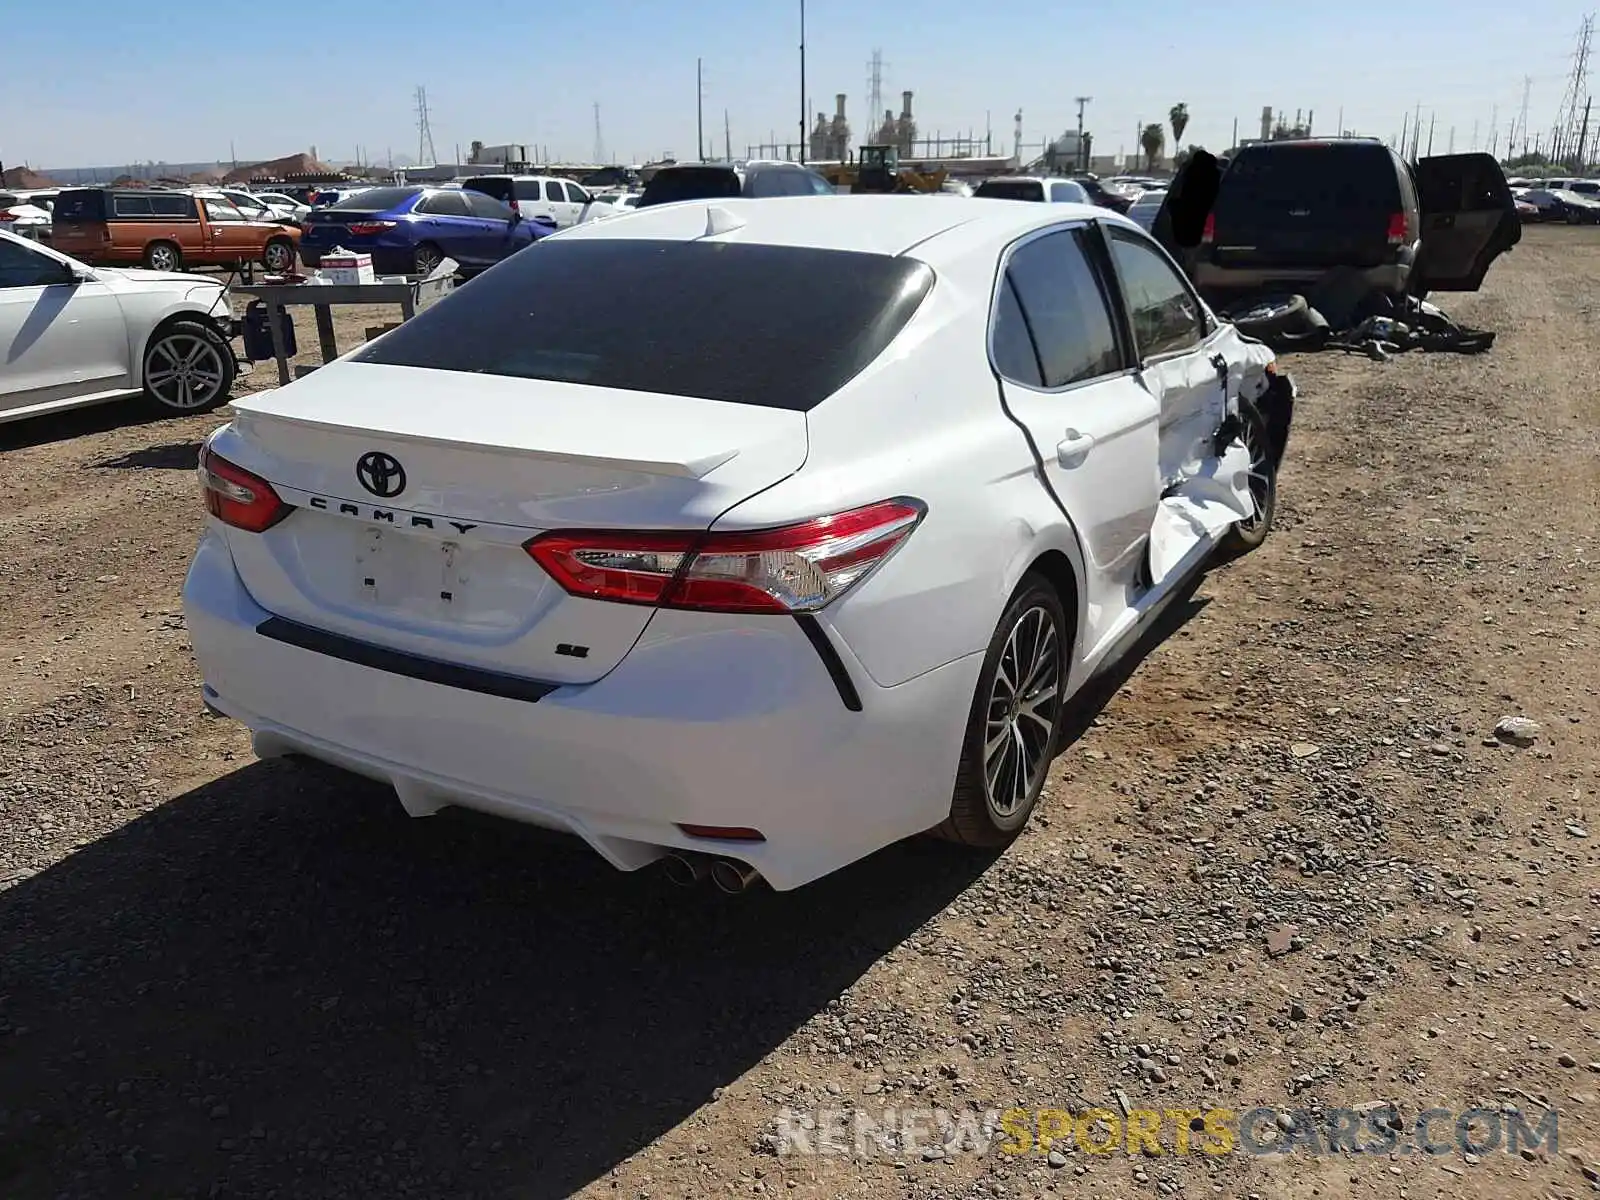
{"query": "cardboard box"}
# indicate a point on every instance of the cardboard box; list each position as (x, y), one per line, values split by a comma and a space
(344, 266)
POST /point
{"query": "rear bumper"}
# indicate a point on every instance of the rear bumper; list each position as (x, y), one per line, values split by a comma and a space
(706, 722)
(1211, 279)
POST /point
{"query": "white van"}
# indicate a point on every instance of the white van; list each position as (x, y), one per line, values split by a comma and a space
(561, 200)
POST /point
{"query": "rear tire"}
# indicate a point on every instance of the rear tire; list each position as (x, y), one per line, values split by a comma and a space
(1014, 725)
(278, 256)
(426, 257)
(163, 256)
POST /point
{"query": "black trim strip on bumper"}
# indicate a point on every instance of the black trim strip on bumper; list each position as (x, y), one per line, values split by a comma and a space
(830, 659)
(397, 662)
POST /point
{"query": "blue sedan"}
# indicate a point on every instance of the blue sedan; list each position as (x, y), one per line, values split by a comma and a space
(410, 230)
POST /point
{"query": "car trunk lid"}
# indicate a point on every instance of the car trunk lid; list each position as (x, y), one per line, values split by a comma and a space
(415, 490)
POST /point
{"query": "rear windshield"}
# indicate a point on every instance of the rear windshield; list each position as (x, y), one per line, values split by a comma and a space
(374, 200)
(1323, 180)
(86, 205)
(1011, 189)
(676, 318)
(500, 189)
(690, 183)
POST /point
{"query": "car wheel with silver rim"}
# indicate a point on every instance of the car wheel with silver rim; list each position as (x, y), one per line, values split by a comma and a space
(278, 257)
(188, 368)
(1014, 727)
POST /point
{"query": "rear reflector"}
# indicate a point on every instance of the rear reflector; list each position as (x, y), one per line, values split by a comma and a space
(798, 568)
(236, 497)
(724, 833)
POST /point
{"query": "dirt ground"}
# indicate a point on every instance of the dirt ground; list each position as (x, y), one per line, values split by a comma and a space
(1283, 863)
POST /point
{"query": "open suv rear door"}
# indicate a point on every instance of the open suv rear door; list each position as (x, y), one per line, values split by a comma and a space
(1469, 219)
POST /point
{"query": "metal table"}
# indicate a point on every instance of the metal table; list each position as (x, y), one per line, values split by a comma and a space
(412, 296)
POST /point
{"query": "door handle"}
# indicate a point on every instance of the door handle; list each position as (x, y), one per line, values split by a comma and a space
(1074, 448)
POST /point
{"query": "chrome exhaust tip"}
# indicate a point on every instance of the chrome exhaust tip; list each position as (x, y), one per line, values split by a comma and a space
(685, 870)
(732, 876)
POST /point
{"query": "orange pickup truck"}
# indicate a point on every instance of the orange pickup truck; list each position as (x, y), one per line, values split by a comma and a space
(166, 230)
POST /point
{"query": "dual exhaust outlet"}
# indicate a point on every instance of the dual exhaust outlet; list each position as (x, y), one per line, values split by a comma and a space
(686, 869)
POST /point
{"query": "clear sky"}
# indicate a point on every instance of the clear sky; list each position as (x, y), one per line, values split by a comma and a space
(106, 82)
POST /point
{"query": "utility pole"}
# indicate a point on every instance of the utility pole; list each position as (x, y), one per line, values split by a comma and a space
(1083, 164)
(1452, 148)
(727, 138)
(1522, 121)
(1474, 136)
(1431, 117)
(699, 111)
(599, 140)
(1416, 130)
(805, 107)
(1235, 145)
(1405, 129)
(1583, 135)
(1340, 131)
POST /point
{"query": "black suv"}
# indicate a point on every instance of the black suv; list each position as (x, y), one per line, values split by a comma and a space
(722, 181)
(1286, 213)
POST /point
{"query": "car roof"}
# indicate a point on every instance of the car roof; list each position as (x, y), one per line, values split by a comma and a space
(1031, 179)
(868, 224)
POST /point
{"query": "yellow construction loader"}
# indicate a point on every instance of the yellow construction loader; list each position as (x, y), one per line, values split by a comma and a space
(877, 170)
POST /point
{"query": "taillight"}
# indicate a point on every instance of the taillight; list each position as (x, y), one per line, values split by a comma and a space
(370, 226)
(1399, 229)
(1209, 233)
(797, 568)
(236, 497)
(9, 216)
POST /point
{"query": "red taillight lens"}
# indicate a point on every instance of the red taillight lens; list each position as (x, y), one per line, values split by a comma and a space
(1399, 229)
(798, 568)
(1209, 233)
(371, 226)
(9, 216)
(236, 497)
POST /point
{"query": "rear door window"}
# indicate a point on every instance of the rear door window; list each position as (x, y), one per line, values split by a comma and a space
(576, 195)
(1066, 307)
(526, 189)
(552, 191)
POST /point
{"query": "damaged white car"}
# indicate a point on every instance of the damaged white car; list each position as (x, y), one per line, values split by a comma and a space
(751, 536)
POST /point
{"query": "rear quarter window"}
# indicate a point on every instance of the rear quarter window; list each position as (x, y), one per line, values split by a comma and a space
(1011, 189)
(675, 318)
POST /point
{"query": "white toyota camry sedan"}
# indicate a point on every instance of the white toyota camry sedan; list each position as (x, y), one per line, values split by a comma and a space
(753, 535)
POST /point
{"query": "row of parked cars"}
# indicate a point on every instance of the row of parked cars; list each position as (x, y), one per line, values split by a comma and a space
(1568, 201)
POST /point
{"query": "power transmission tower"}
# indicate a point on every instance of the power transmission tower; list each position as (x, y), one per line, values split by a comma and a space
(1569, 115)
(599, 140)
(1081, 102)
(874, 93)
(426, 155)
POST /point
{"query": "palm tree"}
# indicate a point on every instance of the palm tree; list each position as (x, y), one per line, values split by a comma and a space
(1178, 114)
(1152, 140)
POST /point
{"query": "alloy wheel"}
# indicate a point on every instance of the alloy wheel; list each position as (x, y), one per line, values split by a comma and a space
(277, 257)
(184, 371)
(163, 258)
(1024, 703)
(1259, 477)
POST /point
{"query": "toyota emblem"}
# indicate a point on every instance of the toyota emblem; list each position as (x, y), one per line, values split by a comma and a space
(381, 474)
